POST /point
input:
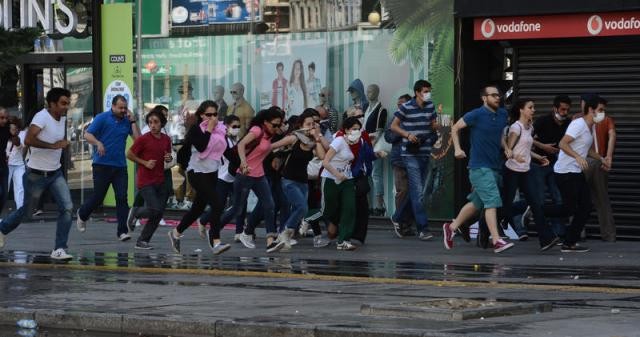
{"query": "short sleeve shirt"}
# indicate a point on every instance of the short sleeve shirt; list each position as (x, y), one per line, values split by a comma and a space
(417, 120)
(148, 147)
(51, 131)
(112, 133)
(602, 135)
(259, 153)
(486, 137)
(342, 160)
(522, 147)
(582, 141)
(547, 131)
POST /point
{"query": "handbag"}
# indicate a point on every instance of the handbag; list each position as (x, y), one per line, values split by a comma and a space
(313, 168)
(381, 144)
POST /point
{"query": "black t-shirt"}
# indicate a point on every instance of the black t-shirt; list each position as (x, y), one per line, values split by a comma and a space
(295, 167)
(547, 131)
(4, 138)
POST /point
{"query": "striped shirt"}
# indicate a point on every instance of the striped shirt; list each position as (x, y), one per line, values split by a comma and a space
(417, 121)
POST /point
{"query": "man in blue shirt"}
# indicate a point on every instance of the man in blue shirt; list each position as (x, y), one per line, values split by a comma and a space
(487, 124)
(108, 134)
(416, 123)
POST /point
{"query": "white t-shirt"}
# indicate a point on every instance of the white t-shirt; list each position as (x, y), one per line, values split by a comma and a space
(579, 131)
(342, 160)
(14, 153)
(522, 148)
(51, 132)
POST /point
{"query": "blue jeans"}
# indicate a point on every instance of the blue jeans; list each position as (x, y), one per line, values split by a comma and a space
(281, 211)
(103, 176)
(377, 180)
(417, 169)
(241, 187)
(34, 184)
(224, 190)
(546, 180)
(4, 185)
(297, 195)
(155, 197)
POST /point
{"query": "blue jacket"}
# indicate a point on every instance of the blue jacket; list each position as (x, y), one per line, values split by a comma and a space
(364, 161)
(358, 87)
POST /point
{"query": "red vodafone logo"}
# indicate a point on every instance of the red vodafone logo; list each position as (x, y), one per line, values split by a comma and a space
(488, 28)
(595, 25)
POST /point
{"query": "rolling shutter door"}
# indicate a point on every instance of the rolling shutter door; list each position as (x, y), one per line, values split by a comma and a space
(612, 71)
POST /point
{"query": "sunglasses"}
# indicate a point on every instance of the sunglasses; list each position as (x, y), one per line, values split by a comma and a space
(233, 92)
(214, 114)
(276, 125)
(235, 126)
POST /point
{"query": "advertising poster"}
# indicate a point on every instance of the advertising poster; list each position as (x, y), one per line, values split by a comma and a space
(195, 13)
(117, 67)
(292, 73)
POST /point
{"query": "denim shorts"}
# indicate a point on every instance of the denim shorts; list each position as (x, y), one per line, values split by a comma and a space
(486, 185)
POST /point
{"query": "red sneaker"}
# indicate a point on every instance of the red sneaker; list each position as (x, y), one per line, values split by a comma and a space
(447, 235)
(501, 246)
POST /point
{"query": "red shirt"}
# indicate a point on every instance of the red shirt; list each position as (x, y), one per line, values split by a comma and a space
(149, 147)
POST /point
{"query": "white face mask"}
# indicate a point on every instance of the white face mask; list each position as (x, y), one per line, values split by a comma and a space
(354, 136)
(599, 117)
(234, 132)
(426, 96)
(559, 117)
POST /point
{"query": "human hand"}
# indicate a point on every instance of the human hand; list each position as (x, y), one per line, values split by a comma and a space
(544, 161)
(583, 163)
(167, 157)
(460, 154)
(150, 164)
(412, 138)
(101, 149)
(549, 148)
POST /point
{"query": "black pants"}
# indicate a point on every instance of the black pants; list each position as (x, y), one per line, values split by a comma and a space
(362, 208)
(576, 202)
(154, 198)
(205, 186)
(4, 185)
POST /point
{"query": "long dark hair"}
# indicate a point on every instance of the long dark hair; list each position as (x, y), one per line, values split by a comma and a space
(203, 107)
(514, 113)
(303, 84)
(266, 115)
(307, 113)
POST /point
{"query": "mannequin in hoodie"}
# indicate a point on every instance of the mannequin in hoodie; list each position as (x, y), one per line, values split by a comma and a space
(241, 107)
(356, 89)
(375, 119)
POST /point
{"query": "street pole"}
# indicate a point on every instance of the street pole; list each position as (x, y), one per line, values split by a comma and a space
(140, 104)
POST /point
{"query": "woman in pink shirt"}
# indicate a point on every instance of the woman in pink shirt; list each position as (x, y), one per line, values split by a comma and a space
(252, 150)
(516, 172)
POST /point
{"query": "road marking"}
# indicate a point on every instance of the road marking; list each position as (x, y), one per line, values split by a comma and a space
(355, 279)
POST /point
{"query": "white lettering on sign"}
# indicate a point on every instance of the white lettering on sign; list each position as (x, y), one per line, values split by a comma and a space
(52, 15)
(631, 23)
(519, 27)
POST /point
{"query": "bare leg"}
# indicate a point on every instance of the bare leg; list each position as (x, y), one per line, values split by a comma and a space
(491, 217)
(467, 212)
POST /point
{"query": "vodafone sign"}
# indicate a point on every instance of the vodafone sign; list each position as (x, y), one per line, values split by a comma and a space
(557, 26)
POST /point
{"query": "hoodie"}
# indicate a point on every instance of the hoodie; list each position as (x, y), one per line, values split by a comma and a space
(358, 87)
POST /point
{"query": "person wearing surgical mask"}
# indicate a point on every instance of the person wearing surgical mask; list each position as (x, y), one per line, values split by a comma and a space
(547, 133)
(597, 175)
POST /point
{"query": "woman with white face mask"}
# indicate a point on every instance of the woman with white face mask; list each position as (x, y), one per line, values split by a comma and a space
(224, 188)
(338, 185)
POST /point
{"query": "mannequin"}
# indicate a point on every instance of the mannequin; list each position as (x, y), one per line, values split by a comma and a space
(356, 89)
(325, 102)
(313, 86)
(241, 107)
(218, 97)
(189, 105)
(375, 117)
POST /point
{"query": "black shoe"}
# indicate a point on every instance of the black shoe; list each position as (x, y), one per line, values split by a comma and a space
(483, 237)
(574, 249)
(175, 242)
(546, 246)
(143, 245)
(464, 232)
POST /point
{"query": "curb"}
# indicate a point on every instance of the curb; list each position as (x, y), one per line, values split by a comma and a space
(180, 327)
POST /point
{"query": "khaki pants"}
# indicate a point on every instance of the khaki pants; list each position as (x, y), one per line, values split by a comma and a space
(598, 180)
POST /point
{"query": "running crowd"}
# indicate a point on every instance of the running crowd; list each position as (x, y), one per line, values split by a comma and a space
(303, 172)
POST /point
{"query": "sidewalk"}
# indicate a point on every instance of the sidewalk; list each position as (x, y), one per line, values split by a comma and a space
(311, 292)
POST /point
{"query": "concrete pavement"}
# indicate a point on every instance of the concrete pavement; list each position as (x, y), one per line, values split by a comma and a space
(311, 292)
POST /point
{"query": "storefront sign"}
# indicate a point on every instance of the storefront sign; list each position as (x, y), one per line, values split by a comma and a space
(557, 26)
(194, 13)
(53, 15)
(117, 66)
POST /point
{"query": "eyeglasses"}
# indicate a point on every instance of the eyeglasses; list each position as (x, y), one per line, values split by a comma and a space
(214, 114)
(276, 125)
(235, 126)
(233, 92)
(494, 95)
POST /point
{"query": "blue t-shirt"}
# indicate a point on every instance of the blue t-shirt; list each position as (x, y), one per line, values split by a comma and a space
(417, 120)
(486, 136)
(112, 133)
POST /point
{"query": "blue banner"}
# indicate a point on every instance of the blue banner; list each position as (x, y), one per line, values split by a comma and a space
(195, 13)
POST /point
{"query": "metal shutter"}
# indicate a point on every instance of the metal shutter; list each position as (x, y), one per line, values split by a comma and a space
(613, 71)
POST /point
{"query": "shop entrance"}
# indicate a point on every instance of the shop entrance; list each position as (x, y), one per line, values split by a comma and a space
(37, 80)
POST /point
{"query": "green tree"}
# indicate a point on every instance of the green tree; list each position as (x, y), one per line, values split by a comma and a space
(15, 43)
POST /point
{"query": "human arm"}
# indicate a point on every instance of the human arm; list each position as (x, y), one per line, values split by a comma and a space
(542, 159)
(565, 146)
(326, 164)
(395, 127)
(198, 138)
(33, 141)
(455, 137)
(610, 146)
(286, 141)
(242, 147)
(131, 155)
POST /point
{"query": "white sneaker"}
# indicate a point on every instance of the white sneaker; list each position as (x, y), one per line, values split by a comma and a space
(236, 238)
(202, 230)
(60, 254)
(319, 242)
(124, 237)
(162, 222)
(346, 245)
(2, 240)
(38, 212)
(247, 241)
(138, 223)
(293, 242)
(80, 224)
(304, 227)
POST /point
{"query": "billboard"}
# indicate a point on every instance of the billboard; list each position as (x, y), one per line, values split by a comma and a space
(197, 13)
